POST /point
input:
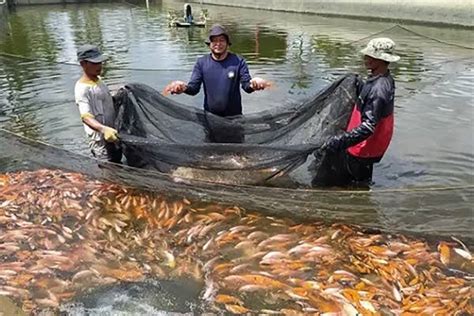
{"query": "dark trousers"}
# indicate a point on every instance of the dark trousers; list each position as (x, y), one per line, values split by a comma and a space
(223, 132)
(234, 134)
(342, 169)
(107, 151)
(115, 154)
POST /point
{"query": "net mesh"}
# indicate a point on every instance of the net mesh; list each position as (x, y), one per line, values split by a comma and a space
(431, 211)
(161, 134)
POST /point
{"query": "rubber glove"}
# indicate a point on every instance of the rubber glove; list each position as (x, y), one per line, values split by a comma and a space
(110, 134)
(334, 144)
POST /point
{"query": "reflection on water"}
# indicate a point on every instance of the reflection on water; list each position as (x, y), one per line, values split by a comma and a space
(262, 45)
(299, 53)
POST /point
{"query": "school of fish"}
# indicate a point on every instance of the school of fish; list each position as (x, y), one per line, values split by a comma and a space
(62, 233)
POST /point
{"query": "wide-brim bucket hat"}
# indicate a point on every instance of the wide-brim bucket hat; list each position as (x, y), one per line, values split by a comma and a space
(217, 30)
(381, 48)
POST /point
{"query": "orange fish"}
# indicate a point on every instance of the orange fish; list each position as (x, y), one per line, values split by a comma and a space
(228, 299)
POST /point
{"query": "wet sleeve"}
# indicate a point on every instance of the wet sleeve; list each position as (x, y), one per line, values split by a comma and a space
(83, 102)
(371, 115)
(245, 77)
(194, 84)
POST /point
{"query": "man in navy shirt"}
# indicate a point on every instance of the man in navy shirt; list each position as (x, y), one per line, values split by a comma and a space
(221, 72)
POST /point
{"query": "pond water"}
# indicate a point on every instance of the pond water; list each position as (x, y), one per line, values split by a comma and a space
(433, 141)
(301, 54)
(432, 145)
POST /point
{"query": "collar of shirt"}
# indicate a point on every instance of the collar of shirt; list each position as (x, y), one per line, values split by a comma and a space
(371, 78)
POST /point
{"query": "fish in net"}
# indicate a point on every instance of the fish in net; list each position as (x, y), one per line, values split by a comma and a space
(161, 134)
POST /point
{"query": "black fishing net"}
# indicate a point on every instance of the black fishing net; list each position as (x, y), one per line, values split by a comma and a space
(161, 134)
(429, 211)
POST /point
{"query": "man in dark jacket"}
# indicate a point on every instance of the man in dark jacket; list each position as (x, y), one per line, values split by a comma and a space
(221, 72)
(350, 156)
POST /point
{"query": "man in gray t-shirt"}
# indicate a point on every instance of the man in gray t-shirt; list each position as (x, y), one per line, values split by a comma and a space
(96, 106)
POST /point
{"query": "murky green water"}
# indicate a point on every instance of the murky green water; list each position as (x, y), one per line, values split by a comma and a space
(433, 141)
(299, 53)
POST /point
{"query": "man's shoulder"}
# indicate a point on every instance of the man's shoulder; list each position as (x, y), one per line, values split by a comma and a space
(384, 83)
(236, 57)
(380, 81)
(233, 59)
(203, 58)
(230, 56)
(81, 87)
(85, 86)
(83, 83)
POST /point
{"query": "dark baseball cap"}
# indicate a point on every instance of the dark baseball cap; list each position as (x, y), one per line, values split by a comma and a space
(90, 53)
(217, 30)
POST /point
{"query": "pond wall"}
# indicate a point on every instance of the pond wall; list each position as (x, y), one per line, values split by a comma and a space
(453, 12)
